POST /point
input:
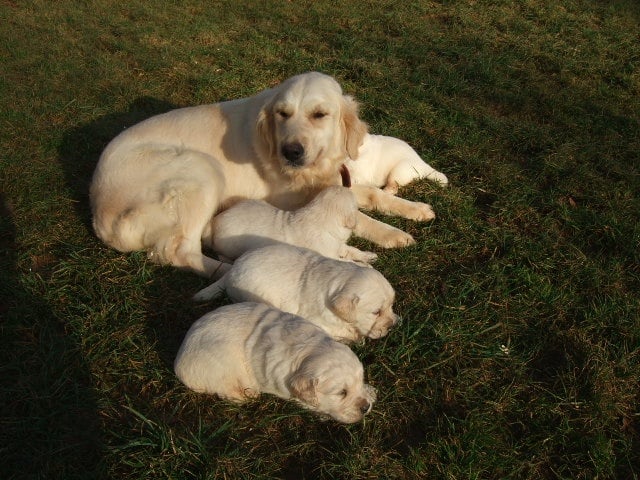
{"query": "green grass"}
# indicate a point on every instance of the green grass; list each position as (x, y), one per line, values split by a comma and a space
(519, 352)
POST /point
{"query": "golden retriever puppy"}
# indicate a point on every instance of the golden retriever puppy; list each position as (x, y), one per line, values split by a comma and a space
(239, 351)
(390, 163)
(158, 184)
(346, 300)
(323, 225)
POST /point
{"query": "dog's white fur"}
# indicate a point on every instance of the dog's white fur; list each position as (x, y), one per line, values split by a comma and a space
(323, 225)
(241, 350)
(346, 300)
(390, 163)
(158, 184)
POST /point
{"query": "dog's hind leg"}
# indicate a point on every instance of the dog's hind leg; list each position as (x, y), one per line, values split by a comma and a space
(189, 199)
(182, 246)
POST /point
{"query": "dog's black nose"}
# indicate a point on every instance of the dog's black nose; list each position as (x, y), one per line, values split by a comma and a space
(365, 408)
(294, 153)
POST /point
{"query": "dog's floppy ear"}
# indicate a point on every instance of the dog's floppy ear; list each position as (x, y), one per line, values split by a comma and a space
(354, 129)
(265, 129)
(303, 388)
(344, 304)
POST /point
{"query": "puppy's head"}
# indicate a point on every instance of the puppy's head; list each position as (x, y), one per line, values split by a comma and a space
(338, 204)
(308, 124)
(365, 300)
(330, 380)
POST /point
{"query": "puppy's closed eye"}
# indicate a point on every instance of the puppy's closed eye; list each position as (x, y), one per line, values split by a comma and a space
(343, 393)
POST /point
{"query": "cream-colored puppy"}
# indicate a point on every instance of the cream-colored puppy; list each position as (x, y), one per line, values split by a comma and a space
(239, 351)
(390, 163)
(346, 300)
(324, 225)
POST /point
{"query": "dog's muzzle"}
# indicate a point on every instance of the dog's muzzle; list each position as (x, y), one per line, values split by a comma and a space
(294, 153)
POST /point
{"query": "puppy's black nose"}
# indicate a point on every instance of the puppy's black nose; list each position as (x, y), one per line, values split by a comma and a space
(365, 408)
(294, 153)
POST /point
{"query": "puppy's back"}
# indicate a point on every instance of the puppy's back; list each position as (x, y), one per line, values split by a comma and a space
(241, 350)
(212, 358)
(247, 225)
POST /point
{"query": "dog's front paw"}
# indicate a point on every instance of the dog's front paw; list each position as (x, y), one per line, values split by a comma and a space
(396, 239)
(421, 212)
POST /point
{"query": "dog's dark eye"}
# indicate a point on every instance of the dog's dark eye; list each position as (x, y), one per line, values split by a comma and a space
(283, 114)
(319, 115)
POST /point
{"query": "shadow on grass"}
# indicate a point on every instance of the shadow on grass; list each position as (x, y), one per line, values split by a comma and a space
(168, 313)
(50, 427)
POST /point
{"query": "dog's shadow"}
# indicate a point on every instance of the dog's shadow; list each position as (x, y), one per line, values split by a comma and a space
(81, 147)
(168, 309)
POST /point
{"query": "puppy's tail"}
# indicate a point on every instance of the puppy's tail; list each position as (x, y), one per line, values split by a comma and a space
(215, 290)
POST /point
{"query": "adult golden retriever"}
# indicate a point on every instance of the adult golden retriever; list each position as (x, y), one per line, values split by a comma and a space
(158, 184)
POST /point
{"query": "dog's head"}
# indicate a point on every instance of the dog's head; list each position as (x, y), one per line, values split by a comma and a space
(365, 300)
(330, 380)
(307, 123)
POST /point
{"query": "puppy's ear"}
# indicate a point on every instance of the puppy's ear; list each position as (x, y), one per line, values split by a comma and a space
(347, 208)
(344, 305)
(351, 220)
(354, 129)
(303, 388)
(265, 129)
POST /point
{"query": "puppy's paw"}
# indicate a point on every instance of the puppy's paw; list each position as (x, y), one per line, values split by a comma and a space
(368, 257)
(421, 212)
(209, 293)
(440, 178)
(372, 393)
(396, 239)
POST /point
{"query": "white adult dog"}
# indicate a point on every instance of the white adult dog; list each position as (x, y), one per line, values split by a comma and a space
(241, 350)
(346, 300)
(390, 163)
(323, 225)
(158, 184)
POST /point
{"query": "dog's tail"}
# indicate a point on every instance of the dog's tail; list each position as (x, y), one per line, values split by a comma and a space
(215, 290)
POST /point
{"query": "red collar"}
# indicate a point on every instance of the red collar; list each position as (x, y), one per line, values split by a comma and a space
(346, 177)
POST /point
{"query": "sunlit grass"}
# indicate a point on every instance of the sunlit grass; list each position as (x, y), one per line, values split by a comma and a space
(517, 356)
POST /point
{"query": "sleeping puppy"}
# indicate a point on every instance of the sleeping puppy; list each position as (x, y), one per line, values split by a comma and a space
(348, 301)
(324, 225)
(239, 351)
(389, 163)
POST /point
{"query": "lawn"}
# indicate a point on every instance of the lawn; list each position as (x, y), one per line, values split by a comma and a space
(518, 356)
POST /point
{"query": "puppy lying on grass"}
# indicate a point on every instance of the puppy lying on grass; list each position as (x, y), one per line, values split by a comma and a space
(239, 351)
(346, 300)
(324, 225)
(390, 163)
